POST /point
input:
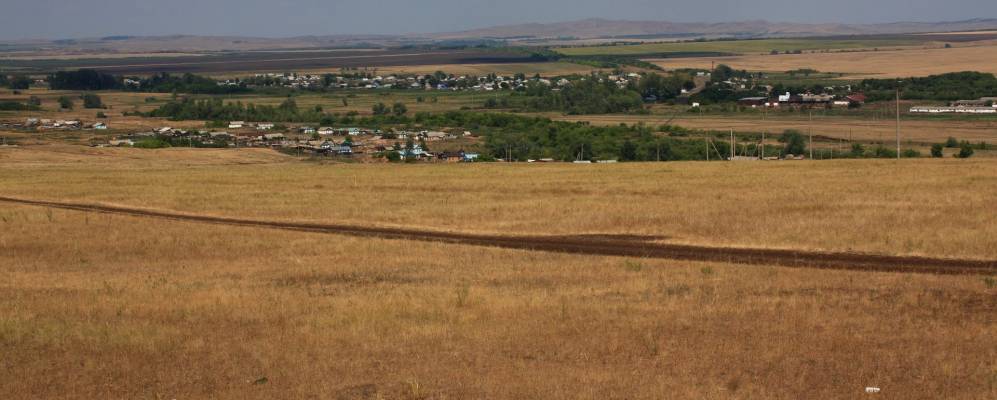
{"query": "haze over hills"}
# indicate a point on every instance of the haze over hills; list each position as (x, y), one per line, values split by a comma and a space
(597, 28)
(583, 29)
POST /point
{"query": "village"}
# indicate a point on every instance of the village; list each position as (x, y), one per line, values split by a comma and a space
(437, 81)
(347, 143)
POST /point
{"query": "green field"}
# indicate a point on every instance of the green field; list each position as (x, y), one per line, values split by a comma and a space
(738, 46)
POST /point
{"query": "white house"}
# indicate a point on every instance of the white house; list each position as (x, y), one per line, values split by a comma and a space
(264, 126)
(236, 124)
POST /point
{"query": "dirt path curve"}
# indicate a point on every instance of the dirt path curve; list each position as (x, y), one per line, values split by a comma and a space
(607, 245)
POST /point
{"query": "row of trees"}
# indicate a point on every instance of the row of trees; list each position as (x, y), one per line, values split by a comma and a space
(945, 87)
(15, 82)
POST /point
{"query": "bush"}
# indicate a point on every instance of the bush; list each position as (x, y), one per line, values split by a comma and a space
(91, 100)
(965, 150)
(911, 153)
(936, 150)
(34, 101)
(794, 143)
(858, 150)
(100, 114)
(393, 156)
(65, 102)
(951, 143)
(15, 106)
(152, 143)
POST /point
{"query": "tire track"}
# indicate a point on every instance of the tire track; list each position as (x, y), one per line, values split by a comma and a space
(591, 245)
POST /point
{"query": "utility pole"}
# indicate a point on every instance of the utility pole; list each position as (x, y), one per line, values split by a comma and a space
(707, 148)
(732, 145)
(898, 120)
(761, 154)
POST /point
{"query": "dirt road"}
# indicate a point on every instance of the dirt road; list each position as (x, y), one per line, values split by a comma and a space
(627, 246)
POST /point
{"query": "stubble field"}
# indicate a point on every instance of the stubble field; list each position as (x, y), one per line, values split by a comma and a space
(107, 306)
(897, 63)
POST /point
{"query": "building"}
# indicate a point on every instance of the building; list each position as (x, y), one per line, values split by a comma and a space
(953, 109)
(236, 124)
(753, 102)
(264, 126)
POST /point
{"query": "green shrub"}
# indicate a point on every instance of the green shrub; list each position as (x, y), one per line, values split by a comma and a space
(965, 150)
(91, 100)
(152, 143)
(951, 143)
(936, 150)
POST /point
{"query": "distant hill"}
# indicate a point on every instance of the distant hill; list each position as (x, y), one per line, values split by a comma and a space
(584, 29)
(604, 28)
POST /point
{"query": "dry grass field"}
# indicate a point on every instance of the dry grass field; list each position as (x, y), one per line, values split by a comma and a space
(102, 306)
(935, 207)
(982, 57)
(920, 130)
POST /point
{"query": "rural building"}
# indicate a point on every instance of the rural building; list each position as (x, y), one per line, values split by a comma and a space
(264, 126)
(753, 101)
(953, 109)
(236, 124)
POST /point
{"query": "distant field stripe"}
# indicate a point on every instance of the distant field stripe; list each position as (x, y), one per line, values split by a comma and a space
(591, 245)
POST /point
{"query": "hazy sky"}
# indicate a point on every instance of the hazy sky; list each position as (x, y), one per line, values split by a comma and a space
(277, 18)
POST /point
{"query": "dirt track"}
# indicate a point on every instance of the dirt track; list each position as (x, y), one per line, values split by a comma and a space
(608, 245)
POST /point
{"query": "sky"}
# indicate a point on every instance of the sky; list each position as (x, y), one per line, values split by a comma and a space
(65, 19)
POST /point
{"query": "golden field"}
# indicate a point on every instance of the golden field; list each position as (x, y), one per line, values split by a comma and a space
(935, 207)
(102, 306)
(981, 57)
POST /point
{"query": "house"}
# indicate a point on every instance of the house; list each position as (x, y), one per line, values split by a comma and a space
(100, 126)
(856, 99)
(434, 135)
(264, 126)
(236, 124)
(325, 130)
(450, 156)
(307, 130)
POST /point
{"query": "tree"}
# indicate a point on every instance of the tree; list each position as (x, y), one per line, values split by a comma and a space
(399, 109)
(84, 79)
(794, 143)
(936, 150)
(628, 151)
(19, 82)
(34, 101)
(100, 114)
(379, 109)
(65, 102)
(857, 150)
(91, 100)
(951, 143)
(965, 150)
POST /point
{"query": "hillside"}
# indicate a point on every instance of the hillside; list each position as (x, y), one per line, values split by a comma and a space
(599, 28)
